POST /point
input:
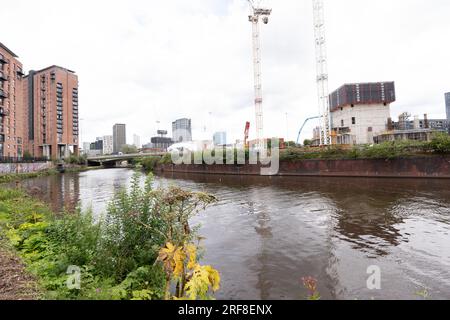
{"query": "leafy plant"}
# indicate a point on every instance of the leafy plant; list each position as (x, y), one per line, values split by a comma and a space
(192, 280)
(310, 284)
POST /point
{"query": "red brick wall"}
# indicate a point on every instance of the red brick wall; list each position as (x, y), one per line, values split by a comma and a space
(427, 167)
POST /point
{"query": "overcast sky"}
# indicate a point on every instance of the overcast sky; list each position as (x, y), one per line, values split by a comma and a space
(142, 61)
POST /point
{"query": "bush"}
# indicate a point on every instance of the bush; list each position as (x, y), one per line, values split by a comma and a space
(77, 160)
(150, 164)
(387, 150)
(440, 143)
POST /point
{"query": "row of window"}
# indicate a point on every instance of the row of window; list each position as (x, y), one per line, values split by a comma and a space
(343, 122)
(59, 108)
(75, 129)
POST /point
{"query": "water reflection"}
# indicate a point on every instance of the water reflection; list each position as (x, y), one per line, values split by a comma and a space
(267, 233)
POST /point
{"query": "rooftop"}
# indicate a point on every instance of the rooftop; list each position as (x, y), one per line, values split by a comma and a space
(53, 67)
(7, 50)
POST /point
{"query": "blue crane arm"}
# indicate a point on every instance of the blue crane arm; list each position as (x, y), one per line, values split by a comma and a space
(303, 126)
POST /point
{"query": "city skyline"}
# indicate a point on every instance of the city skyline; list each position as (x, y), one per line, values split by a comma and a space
(151, 85)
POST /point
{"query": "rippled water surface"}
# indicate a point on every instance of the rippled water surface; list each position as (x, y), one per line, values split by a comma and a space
(265, 234)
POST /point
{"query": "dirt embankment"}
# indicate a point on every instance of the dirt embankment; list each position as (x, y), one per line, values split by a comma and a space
(15, 282)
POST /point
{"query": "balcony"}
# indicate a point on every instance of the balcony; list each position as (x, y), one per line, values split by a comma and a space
(3, 112)
(3, 76)
(3, 94)
(2, 59)
(20, 72)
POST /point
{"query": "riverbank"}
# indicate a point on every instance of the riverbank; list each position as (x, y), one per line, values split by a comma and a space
(15, 282)
(435, 167)
(63, 250)
(8, 178)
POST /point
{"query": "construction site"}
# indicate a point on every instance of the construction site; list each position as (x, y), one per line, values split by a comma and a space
(354, 114)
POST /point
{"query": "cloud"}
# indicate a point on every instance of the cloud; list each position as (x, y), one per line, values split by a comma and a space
(141, 61)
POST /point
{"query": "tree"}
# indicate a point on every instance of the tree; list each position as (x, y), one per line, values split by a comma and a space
(128, 149)
(307, 143)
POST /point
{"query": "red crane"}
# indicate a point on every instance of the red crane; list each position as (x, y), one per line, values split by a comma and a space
(246, 132)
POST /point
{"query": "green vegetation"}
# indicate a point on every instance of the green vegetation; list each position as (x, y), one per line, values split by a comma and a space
(128, 149)
(117, 255)
(77, 160)
(7, 178)
(440, 145)
(149, 164)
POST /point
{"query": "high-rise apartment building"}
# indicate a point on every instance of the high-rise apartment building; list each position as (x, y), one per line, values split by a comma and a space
(12, 112)
(119, 137)
(137, 141)
(107, 145)
(220, 138)
(182, 130)
(52, 105)
(447, 105)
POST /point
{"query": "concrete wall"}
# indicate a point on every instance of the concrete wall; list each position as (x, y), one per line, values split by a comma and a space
(426, 167)
(373, 116)
(12, 168)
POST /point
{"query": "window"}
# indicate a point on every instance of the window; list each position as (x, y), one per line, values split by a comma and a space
(342, 123)
(353, 120)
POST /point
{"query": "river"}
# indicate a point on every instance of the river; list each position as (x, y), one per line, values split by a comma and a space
(265, 234)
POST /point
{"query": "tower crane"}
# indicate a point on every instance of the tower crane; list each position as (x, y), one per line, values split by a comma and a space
(258, 14)
(322, 72)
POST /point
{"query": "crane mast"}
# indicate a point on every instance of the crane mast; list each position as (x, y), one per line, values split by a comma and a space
(322, 72)
(257, 15)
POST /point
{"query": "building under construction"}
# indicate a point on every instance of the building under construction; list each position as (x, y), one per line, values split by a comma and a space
(360, 111)
(412, 129)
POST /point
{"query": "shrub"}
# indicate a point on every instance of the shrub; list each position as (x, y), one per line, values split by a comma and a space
(150, 163)
(440, 143)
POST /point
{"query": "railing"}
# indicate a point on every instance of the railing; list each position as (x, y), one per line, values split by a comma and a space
(3, 76)
(22, 159)
(3, 112)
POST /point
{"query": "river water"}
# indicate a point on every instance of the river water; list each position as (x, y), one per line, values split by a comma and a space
(265, 234)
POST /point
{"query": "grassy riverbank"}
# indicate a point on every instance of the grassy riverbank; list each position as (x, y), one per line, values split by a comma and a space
(136, 251)
(6, 178)
(438, 146)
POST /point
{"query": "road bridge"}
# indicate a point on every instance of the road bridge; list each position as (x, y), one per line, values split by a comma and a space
(112, 160)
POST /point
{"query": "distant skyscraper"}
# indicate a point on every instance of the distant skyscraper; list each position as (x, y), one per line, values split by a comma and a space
(182, 130)
(447, 105)
(86, 147)
(137, 141)
(108, 145)
(119, 137)
(220, 138)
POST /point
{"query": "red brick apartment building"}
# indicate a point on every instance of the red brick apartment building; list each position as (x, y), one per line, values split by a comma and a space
(12, 111)
(39, 111)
